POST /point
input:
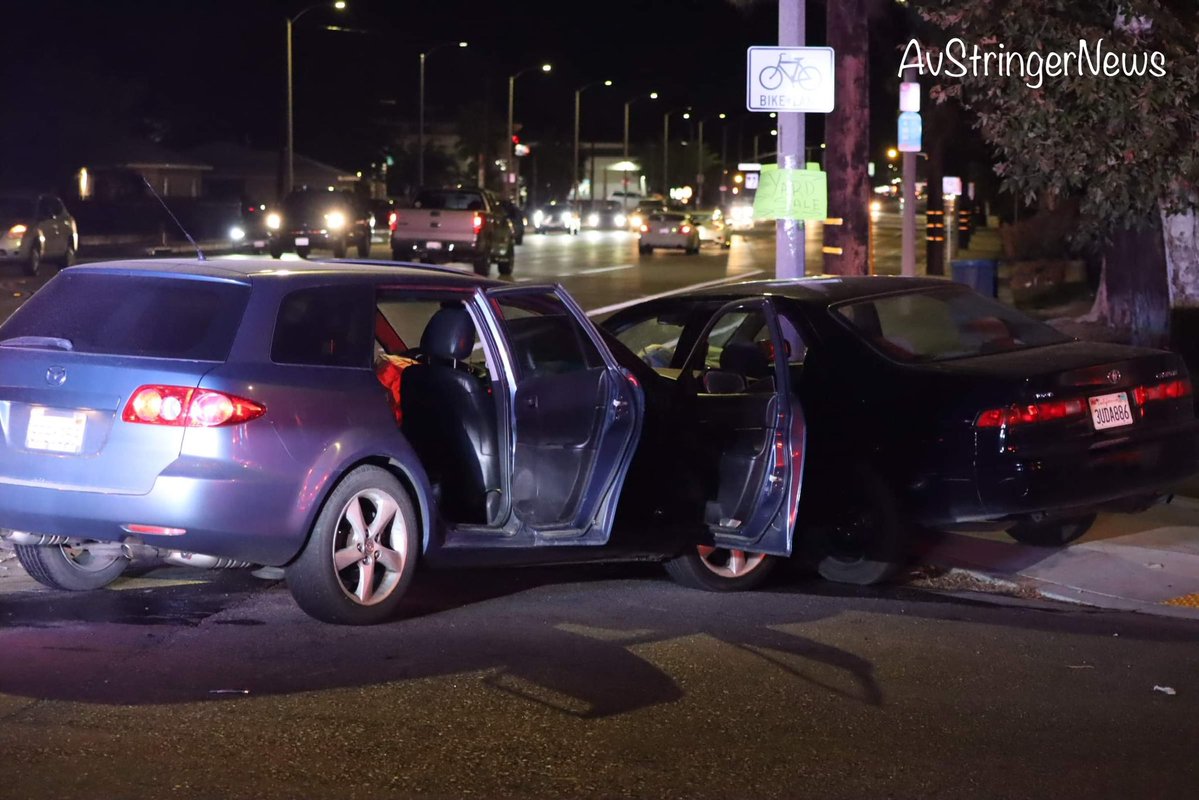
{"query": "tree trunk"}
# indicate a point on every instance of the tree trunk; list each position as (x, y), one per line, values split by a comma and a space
(847, 141)
(1180, 238)
(1133, 294)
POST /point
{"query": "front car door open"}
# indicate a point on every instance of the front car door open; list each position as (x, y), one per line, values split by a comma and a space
(747, 452)
(576, 416)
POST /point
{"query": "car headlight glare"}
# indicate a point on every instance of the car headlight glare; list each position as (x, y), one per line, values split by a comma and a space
(621, 220)
(236, 233)
(593, 220)
(273, 221)
(335, 219)
(538, 218)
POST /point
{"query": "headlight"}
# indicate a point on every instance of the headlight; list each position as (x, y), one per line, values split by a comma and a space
(593, 220)
(273, 221)
(335, 220)
(636, 220)
(621, 220)
(236, 233)
(876, 206)
(538, 217)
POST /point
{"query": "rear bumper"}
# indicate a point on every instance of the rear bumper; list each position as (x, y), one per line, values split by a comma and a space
(434, 250)
(668, 240)
(240, 517)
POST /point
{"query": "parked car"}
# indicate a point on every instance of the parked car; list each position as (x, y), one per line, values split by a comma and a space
(926, 404)
(672, 230)
(602, 215)
(516, 215)
(556, 216)
(309, 218)
(228, 413)
(455, 224)
(35, 227)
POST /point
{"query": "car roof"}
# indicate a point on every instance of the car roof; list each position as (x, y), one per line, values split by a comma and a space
(252, 270)
(824, 289)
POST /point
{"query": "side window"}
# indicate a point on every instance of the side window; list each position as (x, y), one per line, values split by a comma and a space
(45, 207)
(655, 339)
(328, 326)
(738, 354)
(409, 316)
(545, 337)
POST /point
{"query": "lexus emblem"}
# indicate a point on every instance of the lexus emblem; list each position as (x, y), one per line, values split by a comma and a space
(1114, 376)
(56, 376)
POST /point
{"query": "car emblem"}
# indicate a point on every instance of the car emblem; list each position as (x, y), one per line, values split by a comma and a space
(1114, 376)
(56, 376)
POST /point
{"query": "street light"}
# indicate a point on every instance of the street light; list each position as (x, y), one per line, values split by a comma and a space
(511, 160)
(625, 180)
(420, 133)
(666, 150)
(699, 159)
(291, 122)
(574, 175)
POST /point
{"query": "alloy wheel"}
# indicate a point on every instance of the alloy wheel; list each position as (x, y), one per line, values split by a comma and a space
(370, 547)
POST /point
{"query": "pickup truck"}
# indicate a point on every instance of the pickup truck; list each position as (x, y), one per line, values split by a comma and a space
(466, 225)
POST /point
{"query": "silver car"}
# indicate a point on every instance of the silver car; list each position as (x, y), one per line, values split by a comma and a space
(669, 229)
(34, 228)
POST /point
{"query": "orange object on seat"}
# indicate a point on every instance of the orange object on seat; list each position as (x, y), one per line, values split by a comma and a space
(389, 370)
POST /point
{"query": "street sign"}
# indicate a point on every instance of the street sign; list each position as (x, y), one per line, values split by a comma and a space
(911, 130)
(792, 79)
(909, 96)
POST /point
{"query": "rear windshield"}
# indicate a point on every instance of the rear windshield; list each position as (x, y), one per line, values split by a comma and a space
(943, 324)
(454, 201)
(134, 315)
(668, 217)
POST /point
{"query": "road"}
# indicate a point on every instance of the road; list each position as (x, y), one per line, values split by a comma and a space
(600, 681)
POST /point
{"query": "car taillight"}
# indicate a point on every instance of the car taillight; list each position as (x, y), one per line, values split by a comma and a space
(185, 406)
(1170, 390)
(685, 229)
(477, 223)
(1028, 414)
(392, 219)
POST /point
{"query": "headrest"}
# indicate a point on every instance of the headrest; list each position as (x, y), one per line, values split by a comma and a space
(450, 334)
(744, 358)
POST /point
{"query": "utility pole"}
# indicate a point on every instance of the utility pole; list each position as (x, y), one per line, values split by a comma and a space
(789, 233)
(908, 263)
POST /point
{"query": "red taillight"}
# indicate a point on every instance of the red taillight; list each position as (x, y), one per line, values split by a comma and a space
(685, 229)
(644, 228)
(194, 408)
(1170, 390)
(392, 219)
(477, 222)
(1028, 414)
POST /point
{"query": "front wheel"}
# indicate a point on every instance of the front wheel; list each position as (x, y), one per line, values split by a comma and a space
(718, 569)
(854, 533)
(33, 263)
(364, 248)
(68, 256)
(361, 554)
(276, 250)
(504, 265)
(74, 568)
(339, 249)
(645, 249)
(482, 266)
(1052, 532)
(303, 252)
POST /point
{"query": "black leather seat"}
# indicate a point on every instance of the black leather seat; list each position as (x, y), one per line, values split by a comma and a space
(449, 417)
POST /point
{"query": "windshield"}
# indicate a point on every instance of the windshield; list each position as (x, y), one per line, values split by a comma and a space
(452, 201)
(942, 324)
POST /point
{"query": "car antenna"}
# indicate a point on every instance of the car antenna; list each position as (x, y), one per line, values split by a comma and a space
(199, 252)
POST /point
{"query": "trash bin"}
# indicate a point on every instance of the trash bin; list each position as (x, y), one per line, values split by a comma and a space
(981, 274)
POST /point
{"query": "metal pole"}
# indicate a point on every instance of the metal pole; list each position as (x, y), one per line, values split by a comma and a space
(420, 129)
(624, 175)
(665, 157)
(574, 174)
(908, 244)
(789, 233)
(699, 168)
(508, 163)
(291, 164)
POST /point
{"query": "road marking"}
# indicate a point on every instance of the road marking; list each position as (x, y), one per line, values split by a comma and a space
(618, 306)
(597, 270)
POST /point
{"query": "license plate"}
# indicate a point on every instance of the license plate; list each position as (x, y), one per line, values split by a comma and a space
(432, 245)
(1110, 410)
(301, 241)
(663, 230)
(56, 432)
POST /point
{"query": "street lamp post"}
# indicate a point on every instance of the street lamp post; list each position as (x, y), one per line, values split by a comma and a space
(666, 151)
(625, 175)
(420, 132)
(574, 175)
(699, 162)
(510, 162)
(291, 121)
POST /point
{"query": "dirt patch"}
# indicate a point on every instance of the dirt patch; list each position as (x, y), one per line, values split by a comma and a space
(942, 579)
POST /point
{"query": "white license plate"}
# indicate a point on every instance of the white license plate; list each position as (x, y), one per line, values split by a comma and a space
(663, 230)
(1110, 410)
(432, 245)
(55, 431)
(301, 241)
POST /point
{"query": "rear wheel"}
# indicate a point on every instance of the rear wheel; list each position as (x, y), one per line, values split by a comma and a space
(74, 568)
(364, 247)
(482, 266)
(397, 254)
(644, 249)
(68, 256)
(276, 250)
(33, 262)
(1052, 532)
(303, 252)
(505, 264)
(361, 555)
(339, 249)
(855, 534)
(718, 569)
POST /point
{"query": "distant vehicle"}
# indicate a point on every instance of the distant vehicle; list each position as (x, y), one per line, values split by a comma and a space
(713, 228)
(516, 215)
(628, 200)
(309, 218)
(602, 215)
(381, 209)
(250, 233)
(556, 216)
(672, 230)
(644, 208)
(35, 227)
(463, 225)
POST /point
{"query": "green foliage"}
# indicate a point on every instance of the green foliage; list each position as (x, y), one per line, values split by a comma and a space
(1124, 146)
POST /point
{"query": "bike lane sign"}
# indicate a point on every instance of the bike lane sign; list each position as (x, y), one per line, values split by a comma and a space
(790, 79)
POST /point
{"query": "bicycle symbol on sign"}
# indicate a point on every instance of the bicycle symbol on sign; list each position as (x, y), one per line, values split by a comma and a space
(801, 75)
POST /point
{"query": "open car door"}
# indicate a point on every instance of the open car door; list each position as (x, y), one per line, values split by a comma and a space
(576, 416)
(746, 451)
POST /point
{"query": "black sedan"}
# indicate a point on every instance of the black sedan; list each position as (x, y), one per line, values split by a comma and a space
(922, 403)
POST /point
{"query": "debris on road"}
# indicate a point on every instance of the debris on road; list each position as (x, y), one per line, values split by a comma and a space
(1165, 690)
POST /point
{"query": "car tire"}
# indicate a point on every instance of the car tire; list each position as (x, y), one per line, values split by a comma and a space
(645, 249)
(692, 251)
(397, 254)
(519, 239)
(505, 264)
(276, 251)
(339, 249)
(854, 533)
(1054, 532)
(357, 594)
(68, 256)
(303, 252)
(33, 262)
(70, 568)
(482, 266)
(364, 248)
(718, 569)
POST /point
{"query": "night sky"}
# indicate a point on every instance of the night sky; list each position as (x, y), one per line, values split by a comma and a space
(188, 73)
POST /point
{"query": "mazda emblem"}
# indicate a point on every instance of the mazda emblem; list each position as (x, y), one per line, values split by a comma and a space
(56, 376)
(1114, 376)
